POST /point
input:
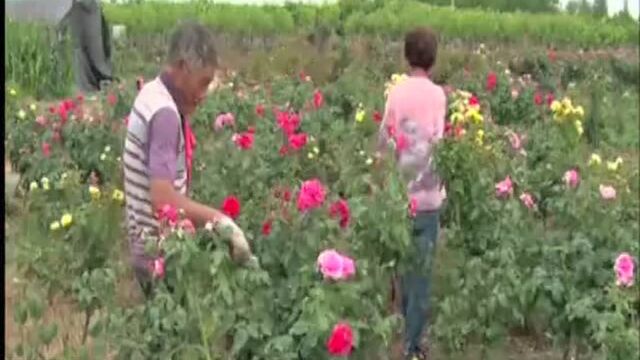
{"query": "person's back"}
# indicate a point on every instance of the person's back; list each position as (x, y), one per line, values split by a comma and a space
(414, 121)
(415, 111)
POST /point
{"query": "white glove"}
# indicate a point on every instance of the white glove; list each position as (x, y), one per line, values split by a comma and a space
(240, 250)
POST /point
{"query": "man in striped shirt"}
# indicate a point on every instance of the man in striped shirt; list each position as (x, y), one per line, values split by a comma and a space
(159, 146)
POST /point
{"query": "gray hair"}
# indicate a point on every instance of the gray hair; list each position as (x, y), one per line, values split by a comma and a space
(193, 43)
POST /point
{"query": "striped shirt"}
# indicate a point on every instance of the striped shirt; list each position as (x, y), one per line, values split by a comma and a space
(154, 148)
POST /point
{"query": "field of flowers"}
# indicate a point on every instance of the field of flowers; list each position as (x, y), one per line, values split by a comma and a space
(540, 226)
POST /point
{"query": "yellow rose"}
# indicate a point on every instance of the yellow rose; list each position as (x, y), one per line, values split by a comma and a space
(614, 165)
(94, 191)
(456, 117)
(54, 226)
(360, 114)
(556, 106)
(33, 107)
(13, 92)
(22, 114)
(66, 220)
(595, 160)
(45, 183)
(103, 157)
(369, 161)
(33, 186)
(579, 111)
(310, 155)
(316, 150)
(118, 196)
(480, 137)
(579, 128)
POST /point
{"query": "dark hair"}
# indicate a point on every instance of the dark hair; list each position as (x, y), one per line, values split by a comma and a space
(194, 43)
(421, 48)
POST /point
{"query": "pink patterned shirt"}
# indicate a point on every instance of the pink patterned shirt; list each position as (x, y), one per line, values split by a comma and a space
(414, 120)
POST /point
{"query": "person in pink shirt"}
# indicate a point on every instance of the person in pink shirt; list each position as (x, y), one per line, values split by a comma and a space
(413, 123)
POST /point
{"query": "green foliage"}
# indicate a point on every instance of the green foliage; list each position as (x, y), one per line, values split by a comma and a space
(37, 61)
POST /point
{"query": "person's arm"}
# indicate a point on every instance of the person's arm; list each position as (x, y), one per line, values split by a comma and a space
(383, 132)
(163, 137)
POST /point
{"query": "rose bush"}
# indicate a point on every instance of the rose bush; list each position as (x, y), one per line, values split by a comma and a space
(535, 223)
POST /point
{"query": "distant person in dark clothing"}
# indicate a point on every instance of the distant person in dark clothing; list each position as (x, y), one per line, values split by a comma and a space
(92, 45)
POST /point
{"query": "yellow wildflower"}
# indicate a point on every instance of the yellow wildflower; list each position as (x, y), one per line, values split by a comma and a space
(118, 196)
(94, 191)
(66, 220)
(595, 159)
(54, 226)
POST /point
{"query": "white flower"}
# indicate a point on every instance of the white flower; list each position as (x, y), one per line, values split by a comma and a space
(103, 157)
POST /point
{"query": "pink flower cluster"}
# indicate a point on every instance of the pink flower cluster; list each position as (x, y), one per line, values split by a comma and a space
(223, 120)
(504, 188)
(625, 270)
(335, 266)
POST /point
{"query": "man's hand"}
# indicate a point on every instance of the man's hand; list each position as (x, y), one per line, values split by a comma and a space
(240, 250)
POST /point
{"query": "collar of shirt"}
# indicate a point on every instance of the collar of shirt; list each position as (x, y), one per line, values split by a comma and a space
(176, 94)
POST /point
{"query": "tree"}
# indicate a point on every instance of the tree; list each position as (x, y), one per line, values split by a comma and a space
(600, 8)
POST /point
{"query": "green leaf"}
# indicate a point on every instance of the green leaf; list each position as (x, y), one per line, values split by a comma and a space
(240, 338)
(47, 333)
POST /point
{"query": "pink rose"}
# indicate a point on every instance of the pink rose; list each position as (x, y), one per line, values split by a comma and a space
(187, 226)
(527, 200)
(624, 268)
(168, 213)
(516, 141)
(504, 188)
(335, 266)
(158, 268)
(607, 192)
(223, 120)
(572, 178)
(312, 194)
(41, 120)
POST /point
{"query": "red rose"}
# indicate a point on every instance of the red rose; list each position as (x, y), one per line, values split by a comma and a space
(473, 101)
(112, 99)
(266, 228)
(243, 140)
(448, 128)
(340, 209)
(550, 98)
(492, 81)
(297, 141)
(46, 149)
(538, 99)
(287, 121)
(377, 117)
(260, 110)
(231, 206)
(318, 99)
(340, 343)
(284, 150)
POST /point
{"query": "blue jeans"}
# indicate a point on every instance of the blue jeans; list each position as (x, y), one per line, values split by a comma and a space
(415, 282)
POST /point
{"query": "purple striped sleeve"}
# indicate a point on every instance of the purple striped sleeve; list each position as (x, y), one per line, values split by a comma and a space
(164, 139)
